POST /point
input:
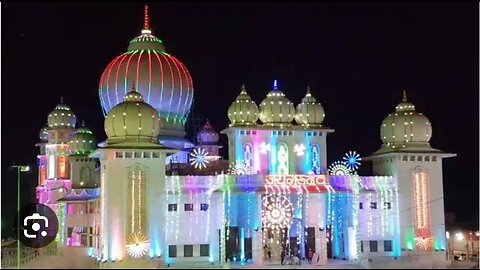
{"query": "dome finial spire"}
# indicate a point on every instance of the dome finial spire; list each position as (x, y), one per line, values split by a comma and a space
(275, 85)
(404, 96)
(133, 87)
(146, 22)
(83, 122)
(308, 91)
(61, 99)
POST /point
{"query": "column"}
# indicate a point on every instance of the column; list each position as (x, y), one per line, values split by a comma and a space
(322, 244)
(257, 241)
(302, 232)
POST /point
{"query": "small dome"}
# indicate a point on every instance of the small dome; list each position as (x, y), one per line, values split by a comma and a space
(276, 109)
(405, 127)
(43, 135)
(309, 112)
(83, 141)
(243, 110)
(207, 135)
(61, 116)
(132, 120)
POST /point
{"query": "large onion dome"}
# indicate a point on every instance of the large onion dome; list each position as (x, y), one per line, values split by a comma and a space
(160, 78)
(406, 128)
(61, 116)
(276, 109)
(207, 135)
(133, 120)
(243, 110)
(83, 142)
(309, 111)
(43, 134)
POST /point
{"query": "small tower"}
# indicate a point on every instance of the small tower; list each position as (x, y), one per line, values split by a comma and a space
(42, 157)
(82, 144)
(407, 155)
(132, 185)
(61, 127)
(207, 139)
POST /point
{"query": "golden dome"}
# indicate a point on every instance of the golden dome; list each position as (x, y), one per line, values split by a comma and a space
(133, 120)
(243, 110)
(309, 112)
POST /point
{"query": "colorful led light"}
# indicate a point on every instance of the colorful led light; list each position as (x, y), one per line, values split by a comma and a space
(198, 158)
(137, 245)
(352, 160)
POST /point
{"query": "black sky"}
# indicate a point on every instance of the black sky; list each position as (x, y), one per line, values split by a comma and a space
(357, 58)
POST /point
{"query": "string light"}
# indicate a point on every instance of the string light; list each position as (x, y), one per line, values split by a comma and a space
(421, 199)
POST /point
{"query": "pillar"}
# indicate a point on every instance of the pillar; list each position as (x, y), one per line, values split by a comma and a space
(257, 241)
(303, 225)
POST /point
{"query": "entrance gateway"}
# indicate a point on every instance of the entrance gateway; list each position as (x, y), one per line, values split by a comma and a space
(283, 216)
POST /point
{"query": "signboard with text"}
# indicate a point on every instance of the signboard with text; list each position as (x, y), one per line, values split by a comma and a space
(296, 180)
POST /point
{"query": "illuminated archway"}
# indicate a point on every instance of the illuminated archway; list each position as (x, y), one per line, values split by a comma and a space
(282, 159)
(248, 158)
(315, 159)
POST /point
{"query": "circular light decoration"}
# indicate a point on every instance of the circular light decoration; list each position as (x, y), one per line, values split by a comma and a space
(198, 158)
(339, 168)
(423, 242)
(276, 212)
(352, 160)
(237, 169)
(137, 245)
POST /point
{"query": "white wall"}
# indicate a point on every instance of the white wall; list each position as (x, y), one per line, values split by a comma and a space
(402, 170)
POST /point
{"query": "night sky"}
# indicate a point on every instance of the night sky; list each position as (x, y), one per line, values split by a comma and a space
(357, 58)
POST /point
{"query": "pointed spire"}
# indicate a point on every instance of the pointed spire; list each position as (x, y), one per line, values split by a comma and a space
(83, 123)
(275, 85)
(308, 91)
(404, 96)
(133, 87)
(61, 99)
(146, 21)
(243, 89)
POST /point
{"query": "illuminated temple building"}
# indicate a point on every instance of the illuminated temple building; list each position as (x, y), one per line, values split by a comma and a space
(146, 196)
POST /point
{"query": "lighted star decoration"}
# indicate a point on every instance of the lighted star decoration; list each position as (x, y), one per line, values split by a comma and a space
(352, 159)
(299, 149)
(238, 169)
(276, 212)
(264, 147)
(199, 158)
(137, 245)
(339, 168)
(423, 242)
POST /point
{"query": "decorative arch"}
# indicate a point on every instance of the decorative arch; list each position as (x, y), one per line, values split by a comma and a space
(282, 159)
(248, 158)
(315, 159)
(85, 174)
(51, 167)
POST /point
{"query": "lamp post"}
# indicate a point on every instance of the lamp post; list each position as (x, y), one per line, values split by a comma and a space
(20, 169)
